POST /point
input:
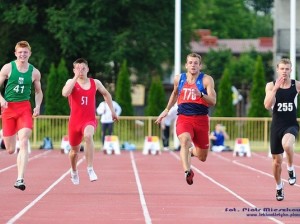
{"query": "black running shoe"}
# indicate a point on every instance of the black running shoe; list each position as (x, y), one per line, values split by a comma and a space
(280, 194)
(292, 177)
(189, 177)
(20, 185)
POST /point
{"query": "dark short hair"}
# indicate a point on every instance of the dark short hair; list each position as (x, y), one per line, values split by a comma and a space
(80, 61)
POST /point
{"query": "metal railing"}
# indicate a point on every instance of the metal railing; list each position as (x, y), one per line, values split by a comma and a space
(134, 129)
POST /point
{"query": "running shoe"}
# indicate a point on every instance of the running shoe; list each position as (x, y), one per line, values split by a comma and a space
(20, 185)
(75, 177)
(280, 194)
(292, 177)
(92, 175)
(189, 177)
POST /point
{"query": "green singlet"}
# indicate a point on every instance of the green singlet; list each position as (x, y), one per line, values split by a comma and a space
(19, 84)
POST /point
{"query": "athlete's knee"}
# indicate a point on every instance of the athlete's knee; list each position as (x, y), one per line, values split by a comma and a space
(277, 162)
(286, 145)
(88, 137)
(202, 155)
(202, 158)
(10, 150)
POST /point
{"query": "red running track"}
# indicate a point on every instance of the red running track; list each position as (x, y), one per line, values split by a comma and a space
(135, 188)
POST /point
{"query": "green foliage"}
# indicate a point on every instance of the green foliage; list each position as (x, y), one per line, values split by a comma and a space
(218, 16)
(241, 70)
(257, 93)
(215, 61)
(104, 32)
(55, 104)
(224, 106)
(156, 98)
(123, 90)
(264, 6)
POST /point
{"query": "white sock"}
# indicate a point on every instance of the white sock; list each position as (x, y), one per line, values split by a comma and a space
(74, 172)
(90, 168)
(290, 168)
(279, 186)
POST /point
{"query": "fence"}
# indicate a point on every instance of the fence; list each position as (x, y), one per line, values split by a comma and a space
(134, 129)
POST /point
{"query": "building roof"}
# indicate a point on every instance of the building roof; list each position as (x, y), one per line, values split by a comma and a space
(237, 46)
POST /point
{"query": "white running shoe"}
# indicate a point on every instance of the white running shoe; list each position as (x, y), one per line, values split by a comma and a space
(92, 174)
(75, 177)
(292, 177)
(280, 194)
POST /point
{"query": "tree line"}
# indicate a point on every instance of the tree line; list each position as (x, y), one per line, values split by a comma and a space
(109, 34)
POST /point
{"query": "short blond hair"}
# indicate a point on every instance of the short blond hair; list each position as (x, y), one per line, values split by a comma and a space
(23, 44)
(194, 55)
(285, 61)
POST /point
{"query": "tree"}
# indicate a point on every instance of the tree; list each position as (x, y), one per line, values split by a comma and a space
(224, 106)
(240, 24)
(215, 61)
(156, 98)
(123, 91)
(257, 93)
(241, 71)
(55, 104)
(264, 6)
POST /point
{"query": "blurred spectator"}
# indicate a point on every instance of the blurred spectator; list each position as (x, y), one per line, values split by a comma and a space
(166, 124)
(218, 137)
(106, 118)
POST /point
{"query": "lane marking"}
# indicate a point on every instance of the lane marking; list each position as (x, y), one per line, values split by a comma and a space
(29, 206)
(226, 189)
(251, 168)
(140, 189)
(30, 159)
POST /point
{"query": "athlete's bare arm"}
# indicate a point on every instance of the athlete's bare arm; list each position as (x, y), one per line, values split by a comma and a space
(209, 85)
(4, 74)
(36, 77)
(172, 100)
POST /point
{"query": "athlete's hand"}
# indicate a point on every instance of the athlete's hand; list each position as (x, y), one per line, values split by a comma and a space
(161, 116)
(36, 112)
(114, 116)
(3, 102)
(279, 82)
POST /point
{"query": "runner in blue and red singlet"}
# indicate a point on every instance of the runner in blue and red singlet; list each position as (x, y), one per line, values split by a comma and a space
(194, 92)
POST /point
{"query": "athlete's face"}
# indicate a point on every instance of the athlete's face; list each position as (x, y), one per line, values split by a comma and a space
(193, 65)
(284, 70)
(22, 53)
(81, 69)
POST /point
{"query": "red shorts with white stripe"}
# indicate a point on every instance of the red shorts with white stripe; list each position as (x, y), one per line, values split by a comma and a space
(16, 116)
(198, 128)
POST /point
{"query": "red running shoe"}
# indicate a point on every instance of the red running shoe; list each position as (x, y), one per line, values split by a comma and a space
(189, 177)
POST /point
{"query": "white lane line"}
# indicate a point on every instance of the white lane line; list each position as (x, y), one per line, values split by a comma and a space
(270, 158)
(227, 189)
(31, 158)
(24, 210)
(251, 168)
(140, 189)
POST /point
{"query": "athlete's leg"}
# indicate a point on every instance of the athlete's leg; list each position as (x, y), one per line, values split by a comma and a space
(185, 144)
(22, 159)
(73, 155)
(288, 142)
(276, 166)
(201, 154)
(89, 146)
(9, 126)
(10, 143)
